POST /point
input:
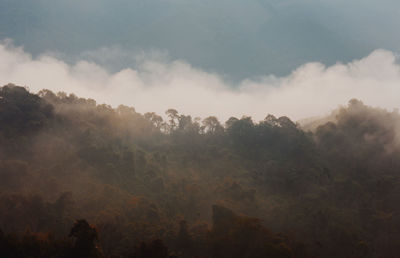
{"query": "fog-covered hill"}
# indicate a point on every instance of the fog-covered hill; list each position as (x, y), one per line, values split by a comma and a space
(186, 187)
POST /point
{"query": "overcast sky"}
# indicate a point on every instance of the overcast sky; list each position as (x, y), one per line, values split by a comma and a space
(235, 41)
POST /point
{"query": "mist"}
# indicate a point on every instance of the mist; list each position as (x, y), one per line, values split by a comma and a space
(157, 84)
(197, 188)
(199, 128)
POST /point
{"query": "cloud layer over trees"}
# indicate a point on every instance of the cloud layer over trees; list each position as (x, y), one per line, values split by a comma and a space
(311, 90)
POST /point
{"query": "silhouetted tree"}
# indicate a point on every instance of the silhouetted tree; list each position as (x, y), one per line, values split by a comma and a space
(85, 238)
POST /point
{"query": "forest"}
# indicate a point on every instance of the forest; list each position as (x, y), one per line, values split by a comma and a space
(82, 179)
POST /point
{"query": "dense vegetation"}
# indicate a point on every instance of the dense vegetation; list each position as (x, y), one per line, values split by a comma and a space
(187, 187)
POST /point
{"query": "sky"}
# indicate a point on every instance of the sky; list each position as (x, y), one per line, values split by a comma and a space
(299, 58)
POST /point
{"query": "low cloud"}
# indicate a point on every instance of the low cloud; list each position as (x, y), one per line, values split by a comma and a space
(311, 90)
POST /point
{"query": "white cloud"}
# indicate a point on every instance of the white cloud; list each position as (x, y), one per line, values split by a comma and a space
(310, 90)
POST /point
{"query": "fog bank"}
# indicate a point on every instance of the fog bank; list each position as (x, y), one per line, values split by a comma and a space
(311, 90)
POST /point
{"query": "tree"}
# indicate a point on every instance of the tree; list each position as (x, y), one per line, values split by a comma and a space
(85, 238)
(212, 125)
(173, 119)
(155, 119)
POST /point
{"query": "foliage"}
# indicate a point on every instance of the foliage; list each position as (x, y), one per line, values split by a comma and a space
(148, 184)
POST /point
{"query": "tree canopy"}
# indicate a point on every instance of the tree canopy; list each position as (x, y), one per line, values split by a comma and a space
(176, 186)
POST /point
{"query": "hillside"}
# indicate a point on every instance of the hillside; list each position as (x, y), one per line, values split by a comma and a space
(186, 187)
